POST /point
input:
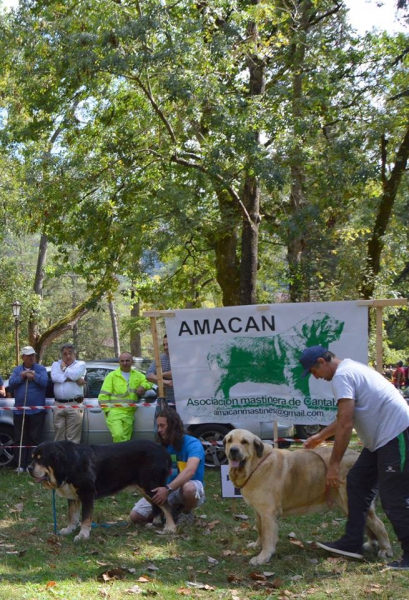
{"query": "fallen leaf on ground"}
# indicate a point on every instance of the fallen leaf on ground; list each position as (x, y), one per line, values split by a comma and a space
(374, 589)
(113, 574)
(297, 543)
(244, 517)
(232, 577)
(212, 561)
(257, 576)
(212, 524)
(135, 589)
(51, 584)
(200, 586)
(16, 552)
(54, 541)
(275, 584)
(152, 568)
(144, 579)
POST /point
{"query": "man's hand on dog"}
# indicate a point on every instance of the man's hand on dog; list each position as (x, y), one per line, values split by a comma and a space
(334, 476)
(160, 496)
(312, 442)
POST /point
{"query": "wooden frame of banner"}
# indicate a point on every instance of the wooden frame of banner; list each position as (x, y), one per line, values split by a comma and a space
(377, 304)
(153, 315)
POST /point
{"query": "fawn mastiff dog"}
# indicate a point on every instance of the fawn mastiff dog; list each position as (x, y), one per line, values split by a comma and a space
(281, 483)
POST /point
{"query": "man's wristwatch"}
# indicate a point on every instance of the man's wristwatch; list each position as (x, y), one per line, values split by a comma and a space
(169, 489)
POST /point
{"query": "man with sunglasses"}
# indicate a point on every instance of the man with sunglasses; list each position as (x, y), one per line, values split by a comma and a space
(122, 386)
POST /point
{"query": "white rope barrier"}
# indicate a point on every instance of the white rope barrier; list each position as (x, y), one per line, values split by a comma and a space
(64, 405)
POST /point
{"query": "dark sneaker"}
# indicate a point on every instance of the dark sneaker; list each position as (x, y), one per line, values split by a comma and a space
(339, 548)
(185, 520)
(399, 565)
(176, 511)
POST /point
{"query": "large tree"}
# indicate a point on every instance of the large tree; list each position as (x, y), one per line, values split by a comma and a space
(196, 127)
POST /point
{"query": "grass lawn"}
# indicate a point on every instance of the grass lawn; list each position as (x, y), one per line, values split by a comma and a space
(210, 560)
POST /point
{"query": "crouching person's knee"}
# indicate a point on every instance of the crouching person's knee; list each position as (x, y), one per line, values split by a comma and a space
(142, 512)
(137, 518)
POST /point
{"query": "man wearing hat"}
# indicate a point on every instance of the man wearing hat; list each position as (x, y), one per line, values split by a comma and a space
(371, 405)
(29, 382)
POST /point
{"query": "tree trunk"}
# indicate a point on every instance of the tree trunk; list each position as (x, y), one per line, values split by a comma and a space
(74, 296)
(114, 324)
(225, 243)
(299, 288)
(249, 242)
(251, 191)
(389, 191)
(136, 345)
(33, 328)
(67, 322)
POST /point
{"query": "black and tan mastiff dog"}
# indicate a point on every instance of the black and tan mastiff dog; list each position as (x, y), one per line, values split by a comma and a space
(281, 483)
(82, 474)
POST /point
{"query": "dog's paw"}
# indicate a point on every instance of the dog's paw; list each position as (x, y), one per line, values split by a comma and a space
(373, 546)
(68, 530)
(261, 559)
(82, 536)
(385, 553)
(169, 529)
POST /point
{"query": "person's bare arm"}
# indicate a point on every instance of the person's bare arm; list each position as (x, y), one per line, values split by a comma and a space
(343, 431)
(320, 437)
(161, 494)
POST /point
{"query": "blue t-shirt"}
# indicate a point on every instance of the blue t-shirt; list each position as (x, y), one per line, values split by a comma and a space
(191, 447)
(1, 381)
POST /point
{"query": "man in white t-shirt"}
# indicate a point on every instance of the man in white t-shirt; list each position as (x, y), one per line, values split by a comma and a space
(371, 405)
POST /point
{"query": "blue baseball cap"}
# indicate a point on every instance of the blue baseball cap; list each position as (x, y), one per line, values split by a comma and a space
(310, 356)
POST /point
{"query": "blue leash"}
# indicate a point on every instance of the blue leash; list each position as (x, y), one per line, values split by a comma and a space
(103, 525)
(54, 514)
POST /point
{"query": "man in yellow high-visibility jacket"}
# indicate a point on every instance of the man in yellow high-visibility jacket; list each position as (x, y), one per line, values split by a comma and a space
(122, 385)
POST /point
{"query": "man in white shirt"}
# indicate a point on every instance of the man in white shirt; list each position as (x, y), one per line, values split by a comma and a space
(68, 375)
(371, 405)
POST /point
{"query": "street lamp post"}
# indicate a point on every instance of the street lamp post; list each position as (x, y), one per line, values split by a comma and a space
(16, 306)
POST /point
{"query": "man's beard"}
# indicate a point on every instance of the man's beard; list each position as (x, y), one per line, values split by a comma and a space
(163, 439)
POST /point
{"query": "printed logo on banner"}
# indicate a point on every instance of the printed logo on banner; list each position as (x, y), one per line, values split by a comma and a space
(273, 359)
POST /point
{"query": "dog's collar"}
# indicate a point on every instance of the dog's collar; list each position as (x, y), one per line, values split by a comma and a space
(259, 464)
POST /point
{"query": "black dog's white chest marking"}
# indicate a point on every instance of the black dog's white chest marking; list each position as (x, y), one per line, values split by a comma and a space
(67, 490)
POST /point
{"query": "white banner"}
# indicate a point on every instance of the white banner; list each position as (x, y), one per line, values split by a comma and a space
(241, 363)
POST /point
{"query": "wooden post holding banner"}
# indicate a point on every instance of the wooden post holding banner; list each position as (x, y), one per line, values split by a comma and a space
(378, 305)
(156, 354)
(153, 314)
(275, 434)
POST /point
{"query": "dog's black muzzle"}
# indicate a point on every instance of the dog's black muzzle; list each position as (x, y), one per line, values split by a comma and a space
(235, 453)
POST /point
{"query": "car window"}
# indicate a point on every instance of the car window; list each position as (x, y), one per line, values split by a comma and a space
(95, 378)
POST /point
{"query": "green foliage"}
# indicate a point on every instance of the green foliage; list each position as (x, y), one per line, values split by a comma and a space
(134, 132)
